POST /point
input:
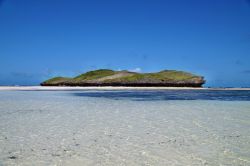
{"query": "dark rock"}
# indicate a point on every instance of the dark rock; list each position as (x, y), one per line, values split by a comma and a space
(13, 157)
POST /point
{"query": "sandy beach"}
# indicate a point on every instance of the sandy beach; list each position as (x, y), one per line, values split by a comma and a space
(65, 88)
(123, 127)
(88, 88)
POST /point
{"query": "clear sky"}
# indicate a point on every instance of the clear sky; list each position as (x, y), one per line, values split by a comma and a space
(44, 38)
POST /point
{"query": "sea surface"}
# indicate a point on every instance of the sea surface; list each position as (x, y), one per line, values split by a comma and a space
(153, 127)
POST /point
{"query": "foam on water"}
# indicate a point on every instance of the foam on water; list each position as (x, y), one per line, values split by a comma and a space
(124, 128)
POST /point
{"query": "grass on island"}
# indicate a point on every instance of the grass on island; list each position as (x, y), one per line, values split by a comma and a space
(125, 77)
(166, 75)
(57, 80)
(91, 75)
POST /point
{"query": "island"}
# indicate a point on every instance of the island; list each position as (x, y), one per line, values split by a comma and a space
(106, 77)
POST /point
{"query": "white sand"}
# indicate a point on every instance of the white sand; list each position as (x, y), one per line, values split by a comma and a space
(54, 88)
(61, 128)
(87, 88)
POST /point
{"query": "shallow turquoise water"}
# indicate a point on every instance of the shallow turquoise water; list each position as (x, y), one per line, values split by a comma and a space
(125, 127)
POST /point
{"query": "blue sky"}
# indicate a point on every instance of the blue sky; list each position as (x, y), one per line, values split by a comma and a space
(44, 38)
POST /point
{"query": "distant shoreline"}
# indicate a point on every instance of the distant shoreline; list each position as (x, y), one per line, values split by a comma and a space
(62, 88)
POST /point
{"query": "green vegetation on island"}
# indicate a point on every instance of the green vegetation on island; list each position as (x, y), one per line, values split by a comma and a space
(106, 77)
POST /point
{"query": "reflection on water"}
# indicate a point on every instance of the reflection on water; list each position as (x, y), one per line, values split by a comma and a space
(90, 128)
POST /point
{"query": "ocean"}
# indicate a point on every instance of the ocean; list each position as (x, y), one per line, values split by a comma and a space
(125, 127)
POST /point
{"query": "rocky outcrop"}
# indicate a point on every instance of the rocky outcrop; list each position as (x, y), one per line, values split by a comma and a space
(105, 77)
